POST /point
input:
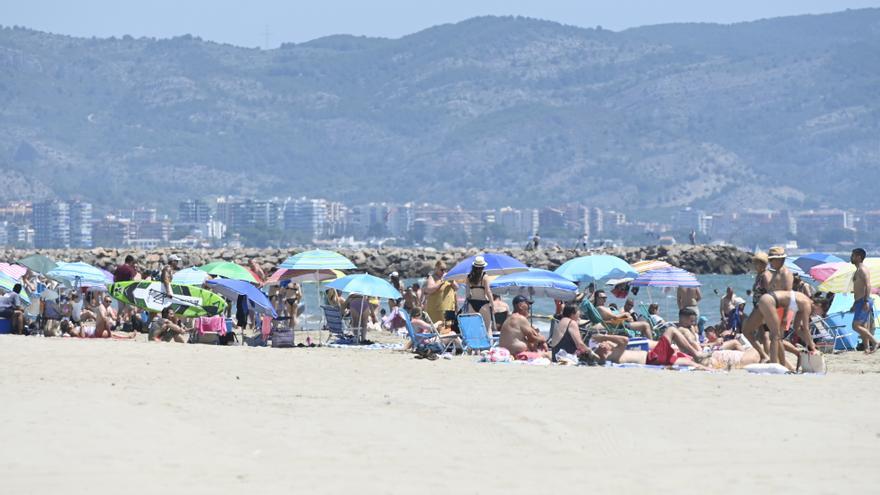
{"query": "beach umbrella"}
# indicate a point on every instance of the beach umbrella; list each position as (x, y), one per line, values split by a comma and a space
(38, 263)
(13, 271)
(825, 270)
(229, 270)
(231, 289)
(535, 283)
(648, 265)
(496, 264)
(6, 285)
(303, 276)
(318, 259)
(841, 280)
(666, 277)
(808, 261)
(190, 276)
(80, 274)
(596, 267)
(365, 285)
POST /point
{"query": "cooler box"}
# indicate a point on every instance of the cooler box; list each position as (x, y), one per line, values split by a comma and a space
(5, 326)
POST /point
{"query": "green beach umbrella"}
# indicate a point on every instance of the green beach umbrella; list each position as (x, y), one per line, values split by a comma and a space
(229, 270)
(38, 263)
(7, 284)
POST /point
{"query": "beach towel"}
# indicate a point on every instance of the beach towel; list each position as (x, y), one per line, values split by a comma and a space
(210, 324)
(496, 355)
(767, 369)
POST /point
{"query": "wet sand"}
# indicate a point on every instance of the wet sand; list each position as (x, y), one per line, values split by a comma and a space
(96, 417)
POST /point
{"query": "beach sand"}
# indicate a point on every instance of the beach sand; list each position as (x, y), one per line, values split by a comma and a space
(109, 417)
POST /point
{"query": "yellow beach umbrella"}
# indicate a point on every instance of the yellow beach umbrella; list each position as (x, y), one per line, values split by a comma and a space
(841, 280)
(648, 265)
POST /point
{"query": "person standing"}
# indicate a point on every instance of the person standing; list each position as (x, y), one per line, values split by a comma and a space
(127, 271)
(167, 273)
(689, 298)
(440, 296)
(727, 306)
(863, 306)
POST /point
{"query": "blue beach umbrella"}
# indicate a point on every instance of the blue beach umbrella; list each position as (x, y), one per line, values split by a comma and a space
(190, 276)
(365, 285)
(808, 261)
(79, 274)
(587, 269)
(318, 259)
(666, 277)
(496, 264)
(535, 283)
(231, 289)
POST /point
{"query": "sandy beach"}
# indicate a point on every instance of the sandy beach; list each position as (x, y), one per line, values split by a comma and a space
(96, 417)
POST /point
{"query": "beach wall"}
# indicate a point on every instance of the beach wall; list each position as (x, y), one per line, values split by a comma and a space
(409, 262)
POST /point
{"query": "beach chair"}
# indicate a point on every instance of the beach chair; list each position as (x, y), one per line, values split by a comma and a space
(473, 332)
(335, 324)
(828, 333)
(646, 316)
(591, 313)
(428, 340)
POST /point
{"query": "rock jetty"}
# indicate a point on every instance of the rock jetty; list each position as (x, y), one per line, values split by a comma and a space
(409, 262)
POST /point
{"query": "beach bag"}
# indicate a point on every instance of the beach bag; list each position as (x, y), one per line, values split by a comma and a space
(811, 363)
(282, 337)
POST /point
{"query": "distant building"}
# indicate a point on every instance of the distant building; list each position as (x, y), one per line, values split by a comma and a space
(306, 216)
(112, 231)
(822, 221)
(80, 224)
(51, 222)
(193, 211)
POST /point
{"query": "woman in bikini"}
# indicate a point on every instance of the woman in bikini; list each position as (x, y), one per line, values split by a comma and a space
(751, 329)
(478, 296)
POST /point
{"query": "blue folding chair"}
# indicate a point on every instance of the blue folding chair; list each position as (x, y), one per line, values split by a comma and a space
(335, 325)
(429, 340)
(473, 332)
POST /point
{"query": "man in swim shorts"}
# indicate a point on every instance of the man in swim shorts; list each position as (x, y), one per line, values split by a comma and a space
(661, 354)
(863, 307)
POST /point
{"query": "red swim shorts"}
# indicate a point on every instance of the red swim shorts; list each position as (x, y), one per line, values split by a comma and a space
(663, 354)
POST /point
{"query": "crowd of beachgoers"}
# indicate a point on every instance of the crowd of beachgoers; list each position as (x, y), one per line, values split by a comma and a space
(482, 305)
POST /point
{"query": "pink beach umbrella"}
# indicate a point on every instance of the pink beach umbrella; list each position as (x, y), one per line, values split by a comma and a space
(825, 270)
(13, 271)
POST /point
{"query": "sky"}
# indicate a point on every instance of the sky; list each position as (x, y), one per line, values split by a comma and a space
(253, 23)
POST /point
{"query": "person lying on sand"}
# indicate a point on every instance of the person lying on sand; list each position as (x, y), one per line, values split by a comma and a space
(88, 330)
(661, 354)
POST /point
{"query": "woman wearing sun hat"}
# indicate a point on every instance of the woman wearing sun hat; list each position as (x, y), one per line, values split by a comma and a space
(478, 296)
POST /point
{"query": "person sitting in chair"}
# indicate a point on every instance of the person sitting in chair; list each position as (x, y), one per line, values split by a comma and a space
(615, 318)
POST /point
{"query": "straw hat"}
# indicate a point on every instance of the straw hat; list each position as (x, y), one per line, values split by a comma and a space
(761, 257)
(479, 262)
(776, 252)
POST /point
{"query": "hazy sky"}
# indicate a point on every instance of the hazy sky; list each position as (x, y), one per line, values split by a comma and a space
(245, 23)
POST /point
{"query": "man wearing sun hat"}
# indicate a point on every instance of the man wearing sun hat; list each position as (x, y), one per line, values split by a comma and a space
(781, 278)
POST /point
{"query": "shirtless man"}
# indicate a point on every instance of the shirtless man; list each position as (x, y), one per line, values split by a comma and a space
(687, 326)
(105, 318)
(518, 335)
(795, 306)
(661, 354)
(643, 327)
(863, 307)
(689, 297)
(727, 305)
(781, 277)
(168, 273)
(167, 326)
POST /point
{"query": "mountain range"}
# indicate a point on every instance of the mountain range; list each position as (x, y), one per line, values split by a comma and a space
(491, 111)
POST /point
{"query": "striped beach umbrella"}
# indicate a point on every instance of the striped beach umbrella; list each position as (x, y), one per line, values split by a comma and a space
(318, 259)
(825, 270)
(648, 265)
(666, 277)
(303, 276)
(13, 271)
(808, 261)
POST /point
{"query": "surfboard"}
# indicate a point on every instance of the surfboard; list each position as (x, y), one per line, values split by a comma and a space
(186, 300)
